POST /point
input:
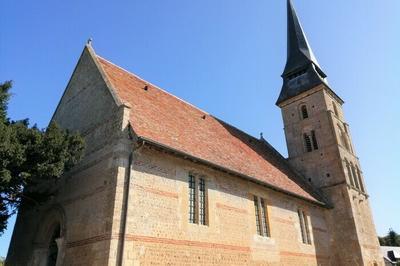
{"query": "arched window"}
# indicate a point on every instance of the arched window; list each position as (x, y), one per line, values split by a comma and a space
(343, 138)
(353, 171)
(335, 110)
(304, 112)
(360, 180)
(349, 174)
(49, 240)
(307, 142)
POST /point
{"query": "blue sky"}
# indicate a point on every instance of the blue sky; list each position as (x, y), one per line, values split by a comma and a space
(226, 57)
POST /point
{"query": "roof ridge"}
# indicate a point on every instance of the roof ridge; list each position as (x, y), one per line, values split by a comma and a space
(157, 87)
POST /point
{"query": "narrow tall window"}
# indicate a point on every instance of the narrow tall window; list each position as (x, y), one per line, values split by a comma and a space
(262, 224)
(304, 112)
(335, 110)
(305, 232)
(353, 171)
(349, 174)
(307, 142)
(202, 201)
(197, 200)
(264, 219)
(360, 180)
(343, 138)
(314, 140)
(192, 199)
(257, 212)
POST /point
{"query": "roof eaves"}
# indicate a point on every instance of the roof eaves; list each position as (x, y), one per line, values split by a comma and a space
(226, 170)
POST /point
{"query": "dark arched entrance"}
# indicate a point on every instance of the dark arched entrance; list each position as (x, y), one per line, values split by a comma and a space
(53, 247)
(49, 244)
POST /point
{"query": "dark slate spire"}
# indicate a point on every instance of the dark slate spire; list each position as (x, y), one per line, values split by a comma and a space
(299, 52)
(302, 71)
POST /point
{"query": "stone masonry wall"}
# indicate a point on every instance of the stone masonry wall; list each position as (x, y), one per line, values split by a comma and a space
(85, 197)
(353, 231)
(159, 232)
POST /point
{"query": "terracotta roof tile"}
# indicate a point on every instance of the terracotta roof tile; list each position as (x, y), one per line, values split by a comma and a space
(170, 121)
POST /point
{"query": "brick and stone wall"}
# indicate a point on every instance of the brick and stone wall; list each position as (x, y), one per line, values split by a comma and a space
(159, 231)
(85, 197)
(354, 240)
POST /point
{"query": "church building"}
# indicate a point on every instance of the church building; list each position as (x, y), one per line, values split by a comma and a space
(165, 183)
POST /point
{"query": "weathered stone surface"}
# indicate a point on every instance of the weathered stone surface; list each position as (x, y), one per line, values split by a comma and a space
(354, 240)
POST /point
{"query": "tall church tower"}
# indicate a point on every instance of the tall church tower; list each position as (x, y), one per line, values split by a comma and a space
(320, 147)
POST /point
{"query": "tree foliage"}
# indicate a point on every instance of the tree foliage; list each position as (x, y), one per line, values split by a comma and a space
(30, 158)
(391, 239)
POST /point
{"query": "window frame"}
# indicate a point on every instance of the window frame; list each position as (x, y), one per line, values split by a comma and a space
(335, 109)
(307, 142)
(197, 200)
(263, 226)
(192, 199)
(360, 179)
(305, 231)
(304, 112)
(314, 140)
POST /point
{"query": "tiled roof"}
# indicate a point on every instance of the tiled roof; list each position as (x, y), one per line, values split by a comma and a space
(163, 118)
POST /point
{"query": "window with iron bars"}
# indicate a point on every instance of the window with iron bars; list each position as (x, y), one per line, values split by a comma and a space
(310, 141)
(304, 228)
(197, 200)
(261, 213)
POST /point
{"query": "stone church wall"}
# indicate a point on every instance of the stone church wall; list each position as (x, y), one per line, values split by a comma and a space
(85, 197)
(159, 232)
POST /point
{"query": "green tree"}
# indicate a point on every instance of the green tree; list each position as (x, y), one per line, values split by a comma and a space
(391, 239)
(31, 159)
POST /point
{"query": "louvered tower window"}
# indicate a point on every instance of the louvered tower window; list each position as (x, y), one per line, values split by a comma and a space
(307, 142)
(304, 112)
(314, 140)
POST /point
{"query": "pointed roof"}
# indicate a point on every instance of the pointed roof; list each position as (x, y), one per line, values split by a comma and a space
(165, 121)
(302, 71)
(299, 52)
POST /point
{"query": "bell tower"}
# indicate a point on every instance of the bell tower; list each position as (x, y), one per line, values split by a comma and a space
(320, 147)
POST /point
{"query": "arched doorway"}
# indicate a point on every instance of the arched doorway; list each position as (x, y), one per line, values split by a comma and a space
(49, 241)
(53, 249)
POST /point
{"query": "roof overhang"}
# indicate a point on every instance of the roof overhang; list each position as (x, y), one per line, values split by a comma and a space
(186, 156)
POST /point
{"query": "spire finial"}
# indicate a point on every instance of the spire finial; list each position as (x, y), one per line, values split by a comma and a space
(89, 41)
